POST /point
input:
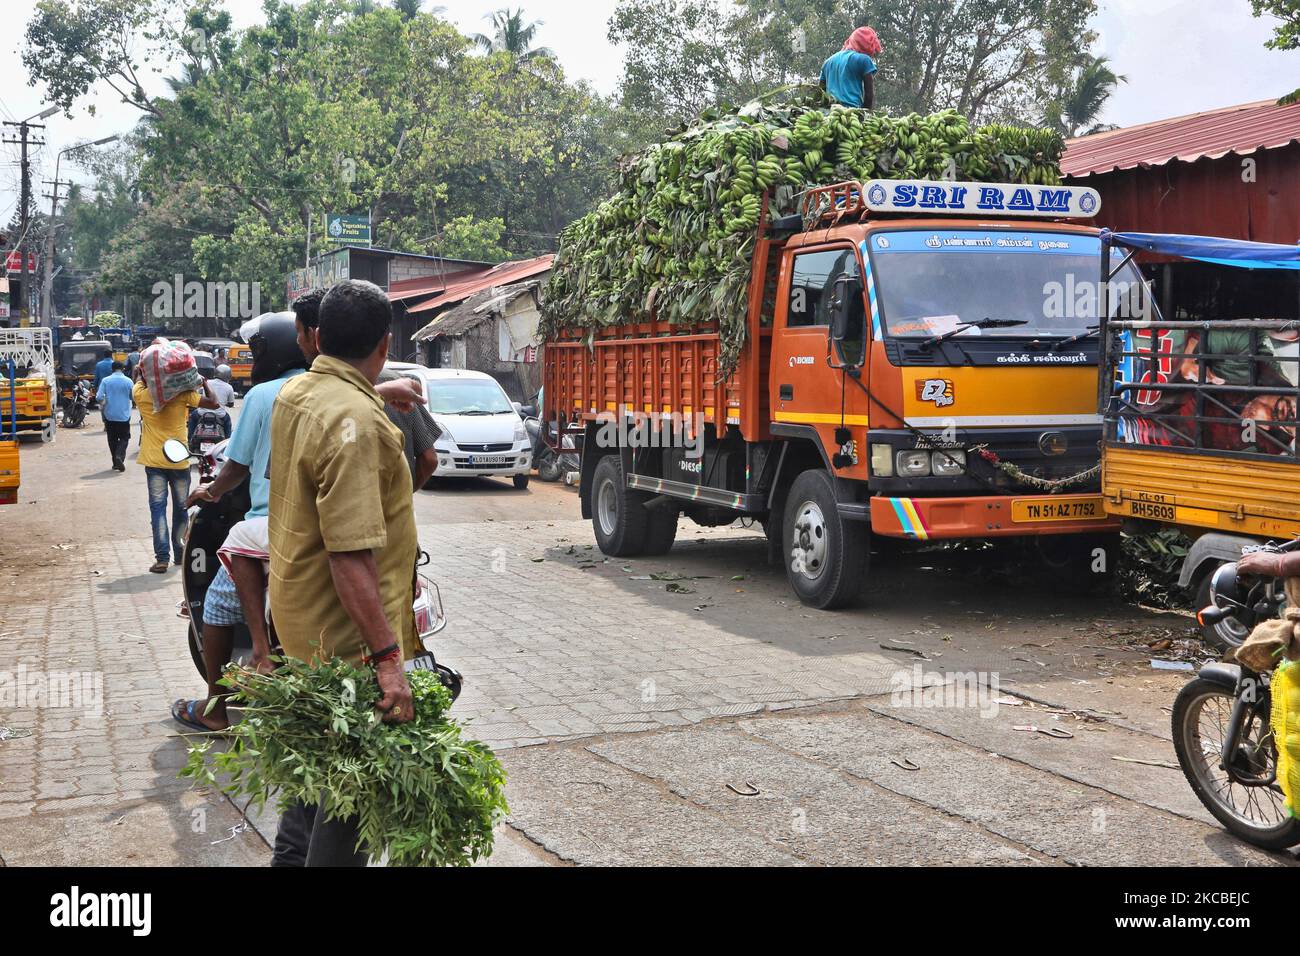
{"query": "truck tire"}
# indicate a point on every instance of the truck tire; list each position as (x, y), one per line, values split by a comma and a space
(618, 515)
(825, 555)
(660, 530)
(1081, 563)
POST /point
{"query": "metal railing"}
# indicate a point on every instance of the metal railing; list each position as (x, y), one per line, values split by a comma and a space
(1241, 401)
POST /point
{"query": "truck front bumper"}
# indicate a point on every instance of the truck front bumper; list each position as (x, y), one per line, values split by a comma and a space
(950, 519)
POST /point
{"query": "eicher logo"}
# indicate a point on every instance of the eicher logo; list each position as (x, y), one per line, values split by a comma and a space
(77, 909)
(936, 391)
(801, 360)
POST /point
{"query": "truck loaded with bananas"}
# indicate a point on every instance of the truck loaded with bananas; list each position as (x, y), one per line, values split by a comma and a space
(838, 323)
(677, 239)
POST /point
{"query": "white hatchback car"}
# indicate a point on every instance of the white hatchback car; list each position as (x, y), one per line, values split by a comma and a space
(483, 435)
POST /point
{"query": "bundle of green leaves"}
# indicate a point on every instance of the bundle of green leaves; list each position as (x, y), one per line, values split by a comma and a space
(675, 244)
(424, 795)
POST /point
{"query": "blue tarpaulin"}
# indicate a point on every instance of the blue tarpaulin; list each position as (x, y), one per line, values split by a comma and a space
(1223, 252)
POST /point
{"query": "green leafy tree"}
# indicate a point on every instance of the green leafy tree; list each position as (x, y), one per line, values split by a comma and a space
(989, 59)
(1286, 34)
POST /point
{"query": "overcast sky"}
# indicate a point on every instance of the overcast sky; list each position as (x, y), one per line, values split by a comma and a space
(1179, 56)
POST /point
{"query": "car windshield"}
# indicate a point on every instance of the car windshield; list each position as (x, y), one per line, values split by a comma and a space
(467, 396)
(1038, 284)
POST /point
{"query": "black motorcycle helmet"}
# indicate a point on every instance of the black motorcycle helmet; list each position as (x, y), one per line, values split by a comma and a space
(273, 340)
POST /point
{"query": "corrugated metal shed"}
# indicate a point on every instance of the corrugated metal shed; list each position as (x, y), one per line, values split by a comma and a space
(475, 310)
(1241, 129)
(504, 274)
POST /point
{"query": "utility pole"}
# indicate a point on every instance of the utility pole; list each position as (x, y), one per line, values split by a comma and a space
(47, 292)
(24, 140)
(47, 283)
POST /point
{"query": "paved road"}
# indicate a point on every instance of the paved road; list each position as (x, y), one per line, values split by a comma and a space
(677, 710)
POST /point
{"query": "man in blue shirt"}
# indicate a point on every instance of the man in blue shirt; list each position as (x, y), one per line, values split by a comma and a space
(848, 76)
(103, 369)
(114, 398)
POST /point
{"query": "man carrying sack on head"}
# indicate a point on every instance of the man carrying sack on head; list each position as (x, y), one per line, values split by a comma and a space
(168, 389)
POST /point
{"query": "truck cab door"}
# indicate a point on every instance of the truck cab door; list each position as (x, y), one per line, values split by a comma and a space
(805, 390)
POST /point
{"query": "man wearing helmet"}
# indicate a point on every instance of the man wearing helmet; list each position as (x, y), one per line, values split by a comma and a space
(283, 348)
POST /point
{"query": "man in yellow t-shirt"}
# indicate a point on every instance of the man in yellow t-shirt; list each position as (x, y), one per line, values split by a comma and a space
(158, 425)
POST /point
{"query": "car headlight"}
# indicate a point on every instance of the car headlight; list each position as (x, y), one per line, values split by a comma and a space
(882, 461)
(949, 464)
(913, 464)
(447, 437)
(521, 433)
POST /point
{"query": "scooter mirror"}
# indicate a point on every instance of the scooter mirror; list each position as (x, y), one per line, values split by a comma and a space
(175, 451)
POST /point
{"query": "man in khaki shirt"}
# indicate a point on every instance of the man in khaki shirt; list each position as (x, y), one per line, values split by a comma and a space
(342, 532)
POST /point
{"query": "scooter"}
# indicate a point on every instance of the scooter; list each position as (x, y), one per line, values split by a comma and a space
(1221, 722)
(209, 526)
(549, 465)
(210, 430)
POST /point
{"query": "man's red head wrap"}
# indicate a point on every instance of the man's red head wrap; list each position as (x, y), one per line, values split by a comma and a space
(864, 40)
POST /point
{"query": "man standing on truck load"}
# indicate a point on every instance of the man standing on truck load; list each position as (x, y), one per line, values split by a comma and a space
(848, 76)
(114, 397)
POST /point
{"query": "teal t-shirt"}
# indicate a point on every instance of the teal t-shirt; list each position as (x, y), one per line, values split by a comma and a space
(843, 74)
(250, 445)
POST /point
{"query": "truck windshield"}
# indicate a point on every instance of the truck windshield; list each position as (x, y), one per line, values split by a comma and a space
(1036, 284)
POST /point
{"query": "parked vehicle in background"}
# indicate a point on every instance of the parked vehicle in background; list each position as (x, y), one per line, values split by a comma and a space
(483, 434)
(77, 407)
(32, 353)
(77, 361)
(900, 375)
(10, 463)
(207, 364)
(240, 359)
(1201, 420)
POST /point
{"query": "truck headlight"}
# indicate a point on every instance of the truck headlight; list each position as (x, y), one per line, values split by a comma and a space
(882, 461)
(913, 464)
(949, 464)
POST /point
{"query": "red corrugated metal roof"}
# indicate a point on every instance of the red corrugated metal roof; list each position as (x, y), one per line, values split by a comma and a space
(1234, 129)
(414, 288)
(504, 274)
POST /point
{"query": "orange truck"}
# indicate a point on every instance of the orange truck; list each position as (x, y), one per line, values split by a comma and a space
(919, 362)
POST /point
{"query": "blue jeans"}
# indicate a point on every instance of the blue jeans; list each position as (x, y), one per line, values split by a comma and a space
(161, 480)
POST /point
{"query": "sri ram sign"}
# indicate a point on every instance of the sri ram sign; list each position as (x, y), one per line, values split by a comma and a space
(981, 199)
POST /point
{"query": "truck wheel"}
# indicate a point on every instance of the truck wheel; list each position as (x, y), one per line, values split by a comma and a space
(1081, 563)
(618, 515)
(661, 529)
(825, 555)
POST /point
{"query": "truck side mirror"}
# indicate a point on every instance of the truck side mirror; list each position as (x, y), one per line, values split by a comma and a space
(849, 321)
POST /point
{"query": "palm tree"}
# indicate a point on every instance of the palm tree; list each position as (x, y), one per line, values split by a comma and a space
(409, 9)
(1075, 112)
(511, 34)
